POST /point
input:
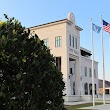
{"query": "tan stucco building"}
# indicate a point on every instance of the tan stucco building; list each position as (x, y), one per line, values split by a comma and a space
(63, 39)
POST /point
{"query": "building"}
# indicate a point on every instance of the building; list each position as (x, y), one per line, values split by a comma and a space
(63, 39)
(86, 73)
(107, 87)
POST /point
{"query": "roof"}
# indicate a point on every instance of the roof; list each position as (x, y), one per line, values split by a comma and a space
(85, 51)
(62, 20)
(48, 23)
(107, 83)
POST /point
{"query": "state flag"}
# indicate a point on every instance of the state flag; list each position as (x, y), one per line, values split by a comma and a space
(96, 28)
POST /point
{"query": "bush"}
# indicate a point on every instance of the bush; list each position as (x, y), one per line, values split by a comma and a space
(29, 79)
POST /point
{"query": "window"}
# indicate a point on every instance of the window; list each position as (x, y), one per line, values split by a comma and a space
(71, 71)
(90, 89)
(95, 89)
(73, 68)
(90, 73)
(94, 74)
(73, 41)
(85, 71)
(86, 88)
(58, 63)
(73, 88)
(58, 41)
(46, 42)
(70, 40)
(76, 43)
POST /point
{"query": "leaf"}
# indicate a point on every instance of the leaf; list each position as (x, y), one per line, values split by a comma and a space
(2, 94)
(15, 39)
(1, 23)
(3, 37)
(6, 16)
(35, 55)
(14, 32)
(21, 82)
(24, 60)
(14, 58)
(16, 21)
(24, 41)
(18, 76)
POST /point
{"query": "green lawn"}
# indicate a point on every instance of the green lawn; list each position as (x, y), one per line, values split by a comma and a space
(75, 107)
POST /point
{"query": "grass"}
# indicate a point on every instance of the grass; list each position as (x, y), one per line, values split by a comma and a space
(75, 107)
(102, 100)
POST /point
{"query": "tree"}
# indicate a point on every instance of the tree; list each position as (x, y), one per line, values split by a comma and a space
(29, 79)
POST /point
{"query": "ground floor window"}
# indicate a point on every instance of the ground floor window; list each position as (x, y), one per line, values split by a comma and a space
(90, 89)
(106, 91)
(86, 88)
(95, 89)
(58, 63)
(73, 88)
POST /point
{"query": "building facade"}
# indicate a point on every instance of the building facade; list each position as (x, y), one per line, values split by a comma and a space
(62, 37)
(86, 73)
(107, 87)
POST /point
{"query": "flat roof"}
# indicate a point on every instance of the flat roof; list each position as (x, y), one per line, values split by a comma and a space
(85, 51)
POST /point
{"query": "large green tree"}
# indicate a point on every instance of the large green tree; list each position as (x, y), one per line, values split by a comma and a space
(29, 79)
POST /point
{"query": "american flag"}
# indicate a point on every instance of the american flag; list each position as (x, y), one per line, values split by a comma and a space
(106, 26)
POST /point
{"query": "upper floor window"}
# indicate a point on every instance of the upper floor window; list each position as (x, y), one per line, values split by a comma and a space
(71, 71)
(76, 43)
(58, 41)
(46, 42)
(85, 71)
(94, 73)
(70, 40)
(73, 41)
(90, 72)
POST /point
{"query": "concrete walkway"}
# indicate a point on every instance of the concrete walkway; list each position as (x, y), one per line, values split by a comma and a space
(98, 107)
(77, 103)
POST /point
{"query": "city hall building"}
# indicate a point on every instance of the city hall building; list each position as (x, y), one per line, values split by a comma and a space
(62, 37)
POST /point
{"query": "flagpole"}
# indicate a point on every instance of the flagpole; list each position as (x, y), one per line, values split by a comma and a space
(92, 39)
(103, 71)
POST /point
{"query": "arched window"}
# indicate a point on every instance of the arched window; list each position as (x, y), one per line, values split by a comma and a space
(86, 88)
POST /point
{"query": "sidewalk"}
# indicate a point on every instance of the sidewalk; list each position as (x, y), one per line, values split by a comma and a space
(98, 107)
(77, 103)
(107, 100)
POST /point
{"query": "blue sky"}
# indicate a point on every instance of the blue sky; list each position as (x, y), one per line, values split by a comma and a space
(35, 12)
